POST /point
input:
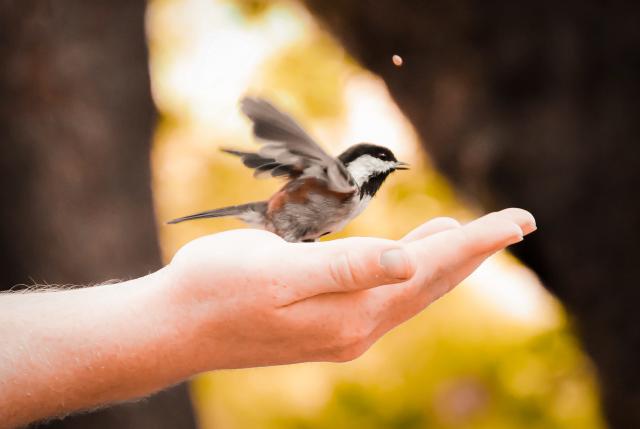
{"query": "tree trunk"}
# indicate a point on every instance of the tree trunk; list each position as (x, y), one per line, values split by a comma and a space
(532, 104)
(75, 122)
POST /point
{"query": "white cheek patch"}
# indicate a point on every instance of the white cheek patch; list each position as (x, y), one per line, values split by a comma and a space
(366, 165)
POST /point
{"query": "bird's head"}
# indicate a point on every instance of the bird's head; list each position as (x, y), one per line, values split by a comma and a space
(370, 164)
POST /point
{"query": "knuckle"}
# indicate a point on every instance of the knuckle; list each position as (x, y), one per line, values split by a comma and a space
(462, 239)
(447, 222)
(439, 270)
(352, 341)
(346, 355)
(342, 271)
(352, 352)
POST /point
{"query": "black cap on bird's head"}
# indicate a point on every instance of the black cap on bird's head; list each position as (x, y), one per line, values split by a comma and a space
(369, 165)
(379, 152)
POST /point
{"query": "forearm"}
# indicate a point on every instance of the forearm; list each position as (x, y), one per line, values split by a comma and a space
(231, 300)
(69, 350)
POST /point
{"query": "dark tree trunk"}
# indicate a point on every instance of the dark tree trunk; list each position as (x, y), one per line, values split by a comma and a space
(532, 104)
(75, 123)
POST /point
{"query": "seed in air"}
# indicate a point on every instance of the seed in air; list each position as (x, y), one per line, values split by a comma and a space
(397, 60)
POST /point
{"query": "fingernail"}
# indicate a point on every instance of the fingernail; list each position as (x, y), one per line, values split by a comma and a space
(518, 235)
(530, 227)
(396, 263)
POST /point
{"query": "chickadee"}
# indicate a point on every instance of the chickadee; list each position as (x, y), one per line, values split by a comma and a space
(322, 193)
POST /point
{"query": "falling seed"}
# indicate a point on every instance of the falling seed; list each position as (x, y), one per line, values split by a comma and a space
(397, 60)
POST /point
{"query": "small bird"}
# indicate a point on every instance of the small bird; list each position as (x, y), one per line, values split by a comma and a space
(322, 193)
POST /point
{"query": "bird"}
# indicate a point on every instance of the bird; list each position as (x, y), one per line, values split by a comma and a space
(322, 193)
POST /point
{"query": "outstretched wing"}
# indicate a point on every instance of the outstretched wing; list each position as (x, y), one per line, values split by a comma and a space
(288, 150)
(266, 166)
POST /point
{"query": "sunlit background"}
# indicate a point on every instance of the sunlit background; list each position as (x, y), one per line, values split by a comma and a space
(495, 353)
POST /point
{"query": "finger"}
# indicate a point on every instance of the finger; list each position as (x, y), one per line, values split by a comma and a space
(368, 315)
(487, 234)
(445, 259)
(431, 227)
(443, 254)
(522, 218)
(397, 305)
(348, 265)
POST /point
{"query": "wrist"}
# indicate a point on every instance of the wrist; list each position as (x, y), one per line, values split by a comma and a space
(173, 327)
(190, 312)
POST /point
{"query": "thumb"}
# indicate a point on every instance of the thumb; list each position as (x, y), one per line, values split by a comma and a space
(352, 264)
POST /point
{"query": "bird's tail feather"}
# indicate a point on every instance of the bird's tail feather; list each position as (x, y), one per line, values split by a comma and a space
(242, 211)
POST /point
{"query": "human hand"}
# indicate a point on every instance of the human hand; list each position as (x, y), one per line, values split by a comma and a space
(247, 298)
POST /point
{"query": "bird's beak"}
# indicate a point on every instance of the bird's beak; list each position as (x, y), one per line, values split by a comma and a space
(401, 165)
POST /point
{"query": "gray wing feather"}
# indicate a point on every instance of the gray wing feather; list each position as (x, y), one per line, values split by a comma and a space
(263, 166)
(287, 144)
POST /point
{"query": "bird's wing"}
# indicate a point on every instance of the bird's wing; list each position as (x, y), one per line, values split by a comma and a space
(264, 167)
(288, 150)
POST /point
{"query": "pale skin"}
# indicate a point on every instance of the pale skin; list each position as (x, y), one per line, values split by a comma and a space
(237, 299)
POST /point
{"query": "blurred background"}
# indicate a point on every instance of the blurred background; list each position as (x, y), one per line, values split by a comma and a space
(113, 116)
